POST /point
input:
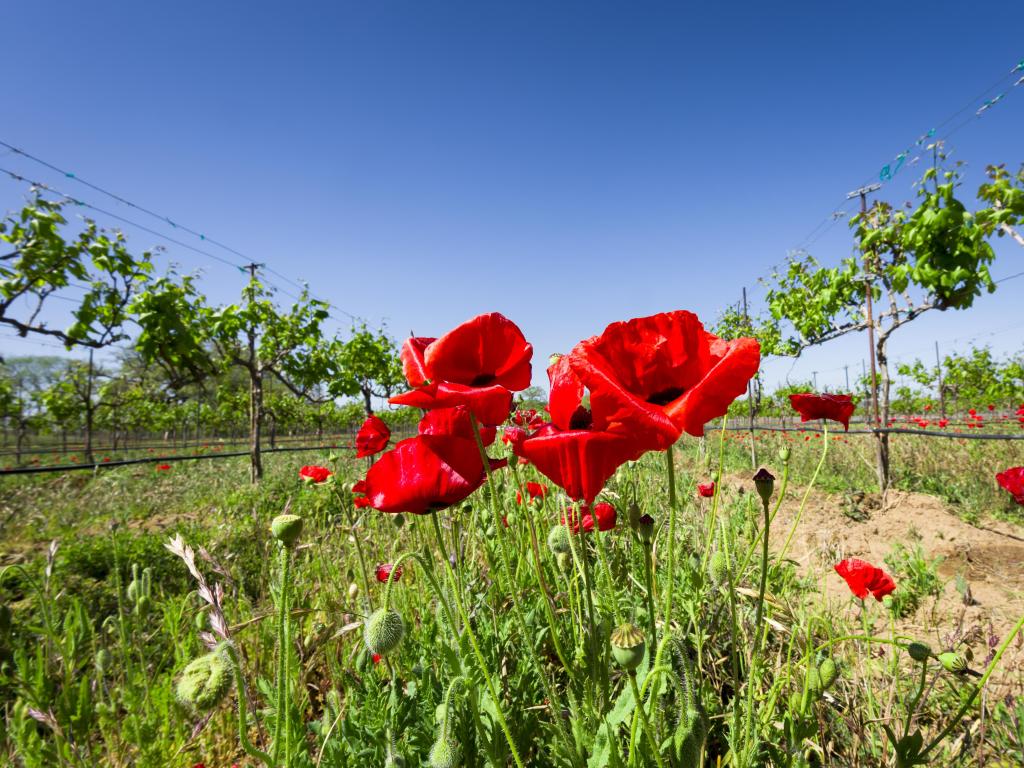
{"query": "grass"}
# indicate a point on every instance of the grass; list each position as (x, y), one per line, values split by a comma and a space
(511, 636)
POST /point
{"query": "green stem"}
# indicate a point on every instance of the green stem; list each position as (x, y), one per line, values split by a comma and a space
(243, 716)
(672, 505)
(498, 709)
(282, 617)
(359, 553)
(917, 697)
(651, 741)
(764, 577)
(775, 512)
(649, 583)
(807, 492)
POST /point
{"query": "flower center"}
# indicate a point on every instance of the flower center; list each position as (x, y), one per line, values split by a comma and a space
(666, 396)
(581, 419)
(483, 380)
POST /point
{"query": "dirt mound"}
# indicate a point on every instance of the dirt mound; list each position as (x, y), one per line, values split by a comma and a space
(987, 561)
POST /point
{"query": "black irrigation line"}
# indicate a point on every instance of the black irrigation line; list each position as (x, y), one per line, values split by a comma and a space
(211, 443)
(887, 430)
(157, 459)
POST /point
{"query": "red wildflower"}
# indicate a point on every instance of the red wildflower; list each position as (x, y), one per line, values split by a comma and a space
(424, 474)
(707, 490)
(927, 406)
(991, 407)
(162, 467)
(972, 412)
(528, 418)
(372, 437)
(835, 407)
(376, 658)
(862, 578)
(454, 421)
(575, 451)
(653, 378)
(314, 474)
(1012, 480)
(534, 491)
(943, 423)
(383, 572)
(477, 364)
(604, 514)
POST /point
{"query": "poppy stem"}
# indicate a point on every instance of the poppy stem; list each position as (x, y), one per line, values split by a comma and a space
(807, 492)
(280, 705)
(243, 716)
(671, 467)
(359, 549)
(758, 635)
(498, 709)
(651, 741)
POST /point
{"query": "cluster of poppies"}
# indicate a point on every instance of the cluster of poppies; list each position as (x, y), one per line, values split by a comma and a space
(637, 387)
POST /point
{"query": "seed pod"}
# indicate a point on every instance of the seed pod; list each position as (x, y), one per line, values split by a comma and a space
(953, 662)
(764, 482)
(784, 454)
(205, 681)
(718, 568)
(828, 673)
(919, 651)
(628, 646)
(558, 540)
(383, 631)
(445, 753)
(286, 529)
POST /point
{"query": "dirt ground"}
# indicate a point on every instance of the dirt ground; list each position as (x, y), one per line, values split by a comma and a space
(990, 558)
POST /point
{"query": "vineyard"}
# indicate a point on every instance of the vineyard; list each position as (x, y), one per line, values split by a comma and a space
(242, 527)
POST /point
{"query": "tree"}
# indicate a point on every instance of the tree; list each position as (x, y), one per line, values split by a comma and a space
(933, 258)
(193, 341)
(368, 366)
(44, 262)
(1005, 192)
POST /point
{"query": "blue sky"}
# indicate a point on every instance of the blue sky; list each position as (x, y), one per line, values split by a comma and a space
(568, 164)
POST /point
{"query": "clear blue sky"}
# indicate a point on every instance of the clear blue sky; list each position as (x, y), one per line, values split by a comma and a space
(568, 164)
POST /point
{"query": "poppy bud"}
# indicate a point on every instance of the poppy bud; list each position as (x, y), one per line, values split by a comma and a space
(286, 529)
(688, 739)
(812, 682)
(764, 482)
(205, 681)
(645, 527)
(953, 662)
(439, 712)
(919, 651)
(564, 561)
(718, 568)
(784, 454)
(634, 514)
(828, 672)
(383, 631)
(353, 591)
(628, 646)
(445, 753)
(102, 660)
(558, 540)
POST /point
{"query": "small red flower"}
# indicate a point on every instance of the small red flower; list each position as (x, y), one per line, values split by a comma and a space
(835, 407)
(991, 407)
(943, 423)
(376, 658)
(534, 491)
(928, 406)
(372, 437)
(604, 514)
(863, 578)
(314, 474)
(707, 490)
(1012, 481)
(106, 459)
(162, 467)
(477, 364)
(383, 572)
(972, 412)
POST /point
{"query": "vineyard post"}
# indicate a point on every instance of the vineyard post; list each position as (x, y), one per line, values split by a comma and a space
(942, 394)
(255, 385)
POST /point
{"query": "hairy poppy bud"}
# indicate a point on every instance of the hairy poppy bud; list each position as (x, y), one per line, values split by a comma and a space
(564, 561)
(828, 673)
(383, 631)
(286, 528)
(628, 646)
(558, 540)
(764, 482)
(439, 712)
(645, 527)
(205, 680)
(919, 651)
(102, 660)
(688, 740)
(718, 568)
(445, 753)
(634, 514)
(813, 682)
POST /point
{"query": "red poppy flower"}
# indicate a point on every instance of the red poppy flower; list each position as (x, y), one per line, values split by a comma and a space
(527, 418)
(862, 578)
(314, 474)
(383, 572)
(1012, 480)
(162, 467)
(514, 435)
(454, 421)
(372, 437)
(534, 491)
(653, 378)
(943, 423)
(376, 658)
(478, 364)
(707, 490)
(574, 451)
(603, 514)
(991, 407)
(972, 412)
(835, 407)
(928, 406)
(424, 474)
